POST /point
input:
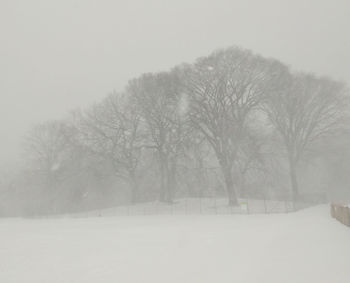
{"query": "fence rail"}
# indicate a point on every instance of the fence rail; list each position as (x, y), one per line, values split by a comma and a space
(341, 212)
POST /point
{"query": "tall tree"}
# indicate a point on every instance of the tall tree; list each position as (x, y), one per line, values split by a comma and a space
(250, 162)
(225, 89)
(111, 129)
(304, 111)
(159, 98)
(48, 151)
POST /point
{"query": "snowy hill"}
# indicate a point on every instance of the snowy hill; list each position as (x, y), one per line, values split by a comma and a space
(307, 246)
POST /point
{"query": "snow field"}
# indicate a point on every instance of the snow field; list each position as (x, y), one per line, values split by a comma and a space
(306, 246)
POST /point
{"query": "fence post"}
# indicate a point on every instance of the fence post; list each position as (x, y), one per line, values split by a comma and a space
(265, 207)
(286, 206)
(332, 210)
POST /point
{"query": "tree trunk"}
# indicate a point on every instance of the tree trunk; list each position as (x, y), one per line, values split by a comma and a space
(171, 180)
(163, 164)
(231, 193)
(243, 188)
(52, 192)
(162, 183)
(293, 179)
(134, 190)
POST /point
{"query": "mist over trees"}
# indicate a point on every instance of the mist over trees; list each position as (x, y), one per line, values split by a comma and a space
(304, 112)
(233, 124)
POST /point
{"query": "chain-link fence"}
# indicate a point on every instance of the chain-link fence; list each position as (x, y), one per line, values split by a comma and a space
(197, 206)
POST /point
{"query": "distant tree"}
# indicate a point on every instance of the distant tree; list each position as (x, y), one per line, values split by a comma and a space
(250, 163)
(225, 88)
(160, 102)
(47, 150)
(303, 111)
(111, 130)
(336, 158)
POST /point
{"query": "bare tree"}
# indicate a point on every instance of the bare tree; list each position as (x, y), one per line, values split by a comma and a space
(48, 151)
(225, 89)
(250, 163)
(304, 111)
(111, 129)
(160, 101)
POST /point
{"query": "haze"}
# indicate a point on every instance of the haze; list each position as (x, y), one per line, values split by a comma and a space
(60, 55)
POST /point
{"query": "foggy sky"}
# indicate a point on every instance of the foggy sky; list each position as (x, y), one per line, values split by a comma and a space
(64, 54)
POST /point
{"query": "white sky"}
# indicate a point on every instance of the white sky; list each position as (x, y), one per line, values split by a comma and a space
(59, 55)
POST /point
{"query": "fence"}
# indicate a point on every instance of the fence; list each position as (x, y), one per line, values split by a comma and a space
(341, 212)
(196, 206)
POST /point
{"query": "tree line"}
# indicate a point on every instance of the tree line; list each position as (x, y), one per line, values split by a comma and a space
(232, 122)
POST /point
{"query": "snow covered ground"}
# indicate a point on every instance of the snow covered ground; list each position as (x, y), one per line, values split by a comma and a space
(306, 246)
